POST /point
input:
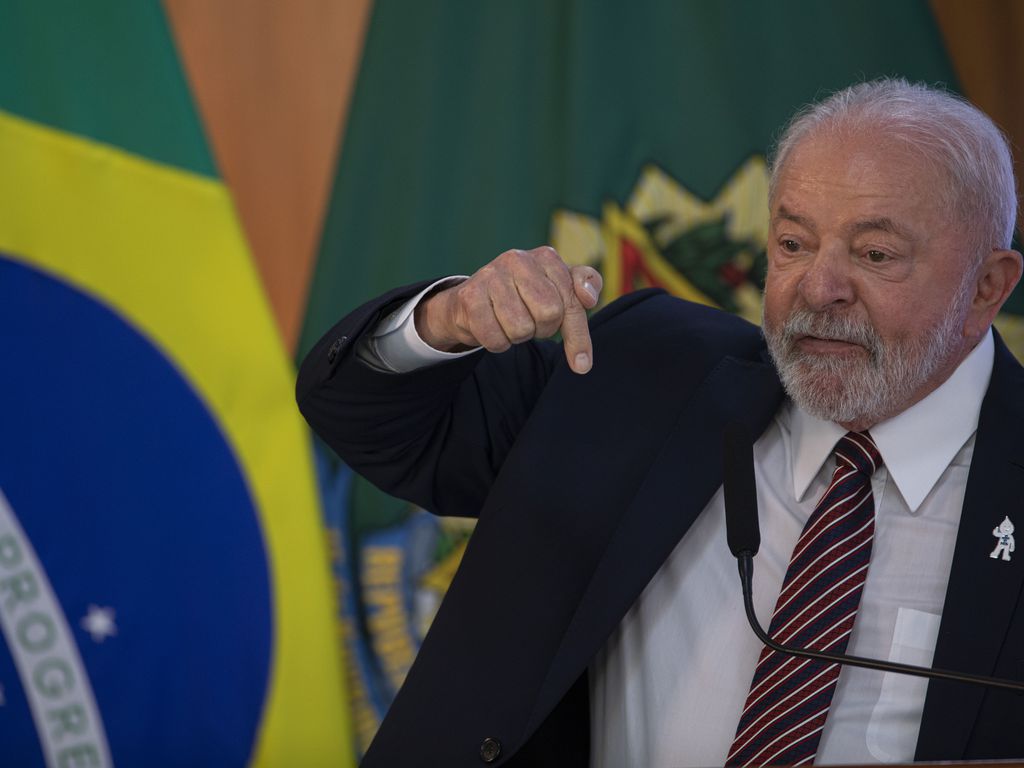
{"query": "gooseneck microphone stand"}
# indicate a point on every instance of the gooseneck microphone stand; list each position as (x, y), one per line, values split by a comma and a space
(744, 536)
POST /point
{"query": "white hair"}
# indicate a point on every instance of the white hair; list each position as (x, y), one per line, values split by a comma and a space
(956, 137)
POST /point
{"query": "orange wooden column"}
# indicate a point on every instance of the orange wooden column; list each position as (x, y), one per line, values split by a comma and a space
(983, 38)
(273, 81)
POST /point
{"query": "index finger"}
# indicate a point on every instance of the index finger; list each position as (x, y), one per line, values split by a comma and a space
(579, 351)
(575, 332)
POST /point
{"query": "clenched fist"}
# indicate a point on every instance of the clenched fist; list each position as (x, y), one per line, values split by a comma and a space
(521, 295)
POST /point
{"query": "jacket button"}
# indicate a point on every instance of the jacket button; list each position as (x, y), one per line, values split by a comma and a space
(332, 353)
(490, 749)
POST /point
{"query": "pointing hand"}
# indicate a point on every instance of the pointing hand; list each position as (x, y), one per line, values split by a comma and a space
(521, 295)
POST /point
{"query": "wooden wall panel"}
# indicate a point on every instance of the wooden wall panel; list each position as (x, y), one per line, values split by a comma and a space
(273, 81)
(984, 39)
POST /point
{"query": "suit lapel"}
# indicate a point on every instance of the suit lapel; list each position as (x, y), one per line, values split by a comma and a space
(983, 592)
(677, 487)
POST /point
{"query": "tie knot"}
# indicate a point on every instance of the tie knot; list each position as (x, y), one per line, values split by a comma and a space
(858, 450)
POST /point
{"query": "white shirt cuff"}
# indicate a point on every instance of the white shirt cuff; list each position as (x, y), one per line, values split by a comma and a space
(395, 346)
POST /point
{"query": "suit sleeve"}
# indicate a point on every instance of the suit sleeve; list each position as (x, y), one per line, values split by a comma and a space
(436, 436)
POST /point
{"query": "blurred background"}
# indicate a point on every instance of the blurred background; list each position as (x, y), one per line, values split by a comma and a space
(193, 191)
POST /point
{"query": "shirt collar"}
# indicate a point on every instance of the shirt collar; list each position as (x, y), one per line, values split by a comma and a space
(943, 421)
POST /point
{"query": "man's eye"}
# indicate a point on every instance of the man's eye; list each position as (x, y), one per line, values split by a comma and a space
(878, 257)
(791, 246)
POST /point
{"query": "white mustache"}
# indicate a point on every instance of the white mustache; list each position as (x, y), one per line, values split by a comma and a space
(832, 327)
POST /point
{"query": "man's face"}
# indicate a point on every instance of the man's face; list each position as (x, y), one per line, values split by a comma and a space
(866, 297)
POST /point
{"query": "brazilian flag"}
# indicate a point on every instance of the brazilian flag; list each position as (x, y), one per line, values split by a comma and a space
(165, 595)
(630, 135)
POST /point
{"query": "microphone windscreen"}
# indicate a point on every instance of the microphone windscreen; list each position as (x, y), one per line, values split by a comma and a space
(742, 530)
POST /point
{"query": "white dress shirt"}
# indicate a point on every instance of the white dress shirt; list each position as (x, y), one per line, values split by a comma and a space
(669, 685)
(668, 688)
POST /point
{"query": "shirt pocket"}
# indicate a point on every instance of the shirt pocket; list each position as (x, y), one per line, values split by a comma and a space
(896, 718)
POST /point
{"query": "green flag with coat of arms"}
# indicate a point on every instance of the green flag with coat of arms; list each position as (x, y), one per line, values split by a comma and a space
(630, 135)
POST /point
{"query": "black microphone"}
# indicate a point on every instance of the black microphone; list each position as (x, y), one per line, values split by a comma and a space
(744, 537)
(740, 487)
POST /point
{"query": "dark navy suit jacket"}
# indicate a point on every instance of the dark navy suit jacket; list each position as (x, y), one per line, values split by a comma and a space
(583, 485)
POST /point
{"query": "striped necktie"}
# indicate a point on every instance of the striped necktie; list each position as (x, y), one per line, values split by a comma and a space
(789, 697)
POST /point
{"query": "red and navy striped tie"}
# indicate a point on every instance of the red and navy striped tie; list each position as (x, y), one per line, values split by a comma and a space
(789, 697)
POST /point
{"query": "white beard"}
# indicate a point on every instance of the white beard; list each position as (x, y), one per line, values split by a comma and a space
(862, 389)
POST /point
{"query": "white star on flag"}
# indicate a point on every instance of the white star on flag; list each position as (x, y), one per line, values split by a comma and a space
(99, 622)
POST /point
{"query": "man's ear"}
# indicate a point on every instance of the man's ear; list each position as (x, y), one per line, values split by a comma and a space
(999, 274)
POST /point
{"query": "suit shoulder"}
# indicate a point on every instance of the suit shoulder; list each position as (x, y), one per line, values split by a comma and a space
(653, 320)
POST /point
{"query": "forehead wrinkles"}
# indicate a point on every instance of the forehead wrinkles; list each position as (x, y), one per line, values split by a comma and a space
(866, 165)
(850, 189)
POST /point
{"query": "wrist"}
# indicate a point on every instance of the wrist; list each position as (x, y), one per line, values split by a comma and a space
(431, 317)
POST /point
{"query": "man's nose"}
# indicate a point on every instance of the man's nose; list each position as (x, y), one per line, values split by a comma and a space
(827, 281)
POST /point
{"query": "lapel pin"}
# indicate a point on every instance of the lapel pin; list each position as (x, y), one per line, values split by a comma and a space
(1005, 544)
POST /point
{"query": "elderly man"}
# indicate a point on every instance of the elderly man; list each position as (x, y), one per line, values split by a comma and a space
(596, 618)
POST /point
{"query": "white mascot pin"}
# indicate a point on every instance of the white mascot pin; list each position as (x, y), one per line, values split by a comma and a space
(1005, 535)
